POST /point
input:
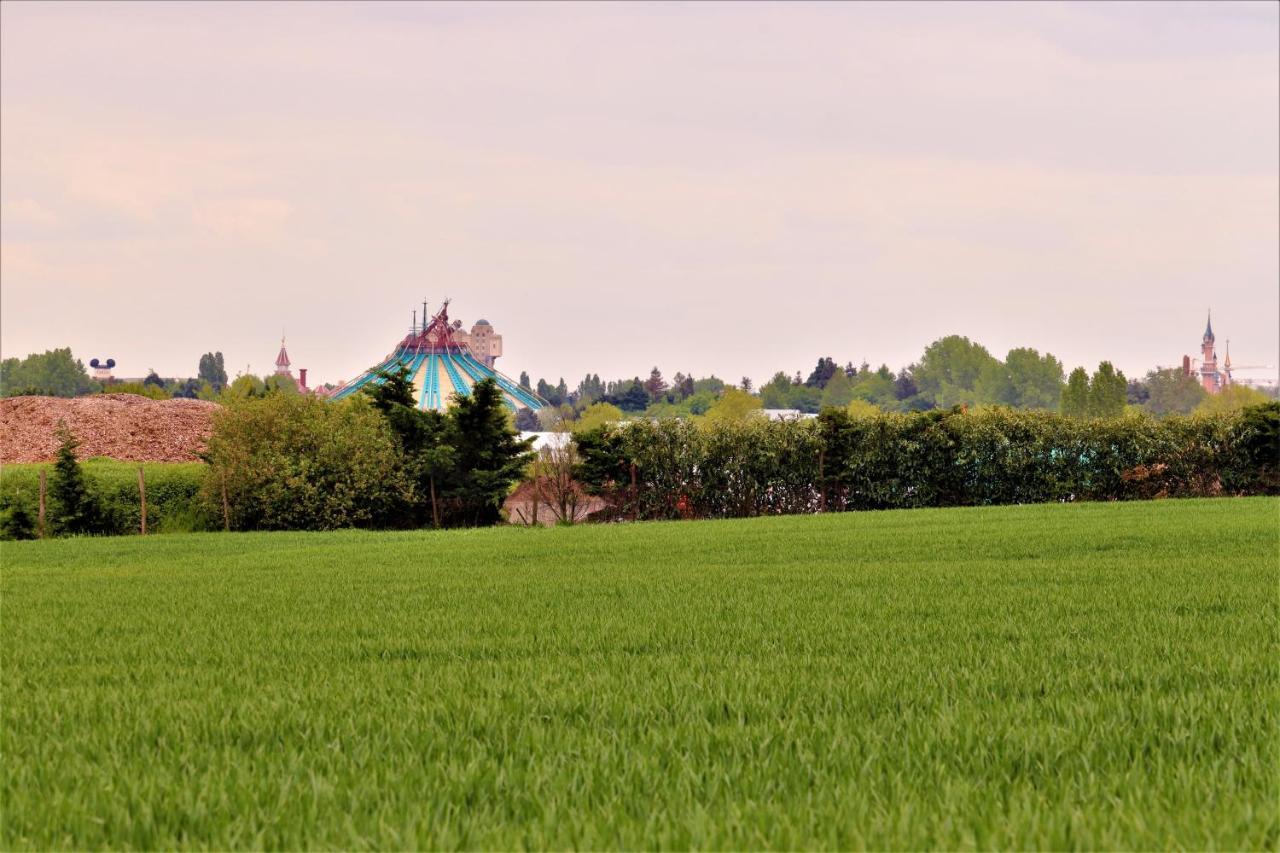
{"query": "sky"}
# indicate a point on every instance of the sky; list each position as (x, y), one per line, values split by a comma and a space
(711, 188)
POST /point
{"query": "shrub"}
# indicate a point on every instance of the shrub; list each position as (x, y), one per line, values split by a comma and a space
(997, 455)
(294, 462)
(75, 509)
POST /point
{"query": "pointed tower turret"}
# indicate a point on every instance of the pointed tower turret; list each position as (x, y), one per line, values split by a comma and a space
(1209, 377)
(282, 360)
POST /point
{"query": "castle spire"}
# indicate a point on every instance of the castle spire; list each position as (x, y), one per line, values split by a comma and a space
(282, 360)
(1208, 327)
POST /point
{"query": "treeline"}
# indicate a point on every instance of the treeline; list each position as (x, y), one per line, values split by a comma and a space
(952, 371)
(58, 373)
(682, 469)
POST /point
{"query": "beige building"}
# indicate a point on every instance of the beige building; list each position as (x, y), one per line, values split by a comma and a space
(484, 343)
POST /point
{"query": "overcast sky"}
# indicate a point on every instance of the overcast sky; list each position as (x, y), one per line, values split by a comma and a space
(727, 188)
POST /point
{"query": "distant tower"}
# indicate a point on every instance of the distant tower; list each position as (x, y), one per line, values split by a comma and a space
(1226, 366)
(1209, 360)
(282, 361)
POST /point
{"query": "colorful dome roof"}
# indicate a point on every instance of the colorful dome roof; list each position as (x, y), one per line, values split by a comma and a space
(439, 368)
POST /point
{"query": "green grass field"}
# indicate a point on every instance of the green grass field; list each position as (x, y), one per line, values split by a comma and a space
(1085, 676)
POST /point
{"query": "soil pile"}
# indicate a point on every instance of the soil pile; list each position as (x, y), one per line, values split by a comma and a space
(119, 426)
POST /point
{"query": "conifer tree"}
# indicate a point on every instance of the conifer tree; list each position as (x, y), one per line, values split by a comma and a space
(75, 508)
(489, 455)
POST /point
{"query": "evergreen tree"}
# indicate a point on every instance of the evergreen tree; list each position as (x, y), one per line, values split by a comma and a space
(1107, 392)
(524, 381)
(489, 455)
(822, 374)
(905, 385)
(76, 509)
(655, 385)
(745, 384)
(1075, 396)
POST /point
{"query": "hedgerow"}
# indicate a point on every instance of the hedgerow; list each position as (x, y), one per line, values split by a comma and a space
(685, 469)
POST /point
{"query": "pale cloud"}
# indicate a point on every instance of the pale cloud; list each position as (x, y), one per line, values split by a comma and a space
(728, 188)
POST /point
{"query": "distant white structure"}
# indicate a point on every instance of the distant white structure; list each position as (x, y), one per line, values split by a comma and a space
(787, 415)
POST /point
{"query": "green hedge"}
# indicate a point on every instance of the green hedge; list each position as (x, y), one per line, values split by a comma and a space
(924, 459)
(173, 489)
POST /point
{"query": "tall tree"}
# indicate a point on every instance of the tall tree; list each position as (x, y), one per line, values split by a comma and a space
(745, 384)
(524, 381)
(1172, 392)
(1107, 392)
(213, 370)
(655, 384)
(490, 456)
(776, 393)
(76, 509)
(55, 373)
(838, 392)
(1031, 381)
(822, 373)
(1075, 396)
(949, 369)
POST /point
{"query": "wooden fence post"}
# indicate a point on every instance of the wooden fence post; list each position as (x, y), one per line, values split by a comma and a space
(226, 507)
(142, 497)
(635, 495)
(822, 481)
(42, 473)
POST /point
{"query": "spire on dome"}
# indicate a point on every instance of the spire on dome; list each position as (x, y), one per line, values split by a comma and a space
(282, 360)
(1208, 328)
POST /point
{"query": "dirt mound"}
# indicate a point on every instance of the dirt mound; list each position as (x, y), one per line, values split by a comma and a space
(119, 426)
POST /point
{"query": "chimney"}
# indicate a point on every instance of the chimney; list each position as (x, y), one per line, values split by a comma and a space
(302, 378)
(1186, 365)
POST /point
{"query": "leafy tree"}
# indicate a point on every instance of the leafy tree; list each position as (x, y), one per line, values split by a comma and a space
(76, 509)
(629, 396)
(213, 370)
(712, 383)
(948, 372)
(734, 405)
(875, 386)
(776, 393)
(278, 384)
(1034, 381)
(590, 389)
(153, 380)
(245, 386)
(490, 455)
(524, 381)
(1172, 392)
(1232, 398)
(838, 392)
(1075, 396)
(598, 415)
(55, 373)
(861, 409)
(297, 462)
(745, 384)
(1107, 392)
(1137, 393)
